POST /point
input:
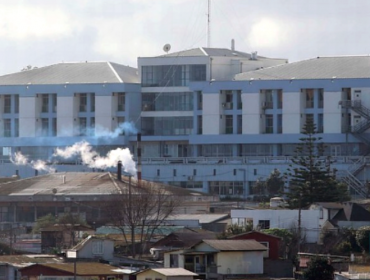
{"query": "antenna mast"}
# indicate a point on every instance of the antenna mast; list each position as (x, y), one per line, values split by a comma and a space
(209, 25)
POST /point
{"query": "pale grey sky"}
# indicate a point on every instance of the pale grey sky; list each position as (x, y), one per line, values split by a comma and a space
(44, 32)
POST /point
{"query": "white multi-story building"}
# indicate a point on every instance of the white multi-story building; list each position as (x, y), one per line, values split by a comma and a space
(215, 120)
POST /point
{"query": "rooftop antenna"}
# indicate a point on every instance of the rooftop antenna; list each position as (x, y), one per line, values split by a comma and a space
(209, 25)
(167, 48)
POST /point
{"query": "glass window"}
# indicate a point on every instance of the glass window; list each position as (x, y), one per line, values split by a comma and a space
(44, 127)
(321, 97)
(320, 123)
(92, 102)
(309, 98)
(7, 103)
(229, 124)
(83, 102)
(7, 128)
(280, 98)
(200, 100)
(264, 224)
(55, 103)
(54, 131)
(44, 103)
(280, 123)
(83, 126)
(269, 128)
(16, 103)
(16, 127)
(121, 101)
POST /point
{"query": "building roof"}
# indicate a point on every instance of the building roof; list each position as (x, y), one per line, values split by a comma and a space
(202, 218)
(211, 52)
(84, 268)
(343, 67)
(184, 239)
(174, 271)
(252, 233)
(82, 184)
(26, 260)
(74, 73)
(352, 212)
(235, 245)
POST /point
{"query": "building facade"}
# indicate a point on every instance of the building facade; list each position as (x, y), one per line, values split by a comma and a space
(213, 120)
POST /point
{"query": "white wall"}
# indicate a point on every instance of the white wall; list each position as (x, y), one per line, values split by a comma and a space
(28, 107)
(66, 114)
(332, 112)
(211, 113)
(292, 109)
(240, 262)
(286, 219)
(104, 114)
(251, 113)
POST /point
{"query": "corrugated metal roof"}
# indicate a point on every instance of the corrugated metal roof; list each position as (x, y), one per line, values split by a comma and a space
(344, 67)
(78, 183)
(174, 271)
(85, 268)
(74, 73)
(210, 52)
(235, 245)
(202, 218)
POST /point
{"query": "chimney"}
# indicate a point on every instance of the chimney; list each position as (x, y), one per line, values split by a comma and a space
(119, 171)
(139, 159)
(232, 44)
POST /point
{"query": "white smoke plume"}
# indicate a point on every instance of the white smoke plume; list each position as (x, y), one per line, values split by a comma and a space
(40, 165)
(102, 132)
(93, 160)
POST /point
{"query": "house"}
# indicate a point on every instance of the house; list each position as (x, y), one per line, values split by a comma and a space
(281, 218)
(93, 247)
(59, 236)
(166, 274)
(82, 270)
(11, 264)
(179, 239)
(214, 258)
(271, 242)
(334, 216)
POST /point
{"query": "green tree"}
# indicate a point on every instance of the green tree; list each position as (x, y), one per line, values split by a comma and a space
(311, 178)
(259, 187)
(275, 182)
(43, 222)
(362, 238)
(319, 268)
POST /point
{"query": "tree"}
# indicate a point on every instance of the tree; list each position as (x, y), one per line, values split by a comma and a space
(362, 238)
(43, 222)
(138, 210)
(275, 182)
(319, 268)
(311, 178)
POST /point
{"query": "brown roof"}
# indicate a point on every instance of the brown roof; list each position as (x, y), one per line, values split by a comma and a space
(84, 268)
(253, 232)
(235, 245)
(25, 260)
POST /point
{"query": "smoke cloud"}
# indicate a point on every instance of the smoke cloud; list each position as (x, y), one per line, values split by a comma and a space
(93, 160)
(40, 165)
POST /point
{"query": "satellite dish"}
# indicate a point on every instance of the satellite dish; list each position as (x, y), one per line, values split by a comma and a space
(167, 48)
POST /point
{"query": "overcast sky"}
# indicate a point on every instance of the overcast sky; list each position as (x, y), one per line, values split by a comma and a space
(44, 32)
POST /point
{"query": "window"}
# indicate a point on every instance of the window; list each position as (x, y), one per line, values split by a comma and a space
(16, 127)
(44, 127)
(7, 104)
(280, 98)
(44, 103)
(239, 99)
(55, 103)
(229, 124)
(121, 101)
(264, 224)
(240, 124)
(83, 102)
(83, 126)
(269, 128)
(7, 128)
(16, 103)
(321, 97)
(200, 124)
(268, 99)
(280, 123)
(54, 128)
(97, 247)
(320, 123)
(174, 260)
(309, 98)
(92, 102)
(200, 100)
